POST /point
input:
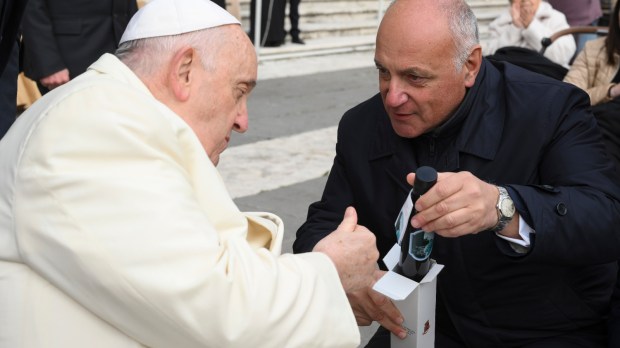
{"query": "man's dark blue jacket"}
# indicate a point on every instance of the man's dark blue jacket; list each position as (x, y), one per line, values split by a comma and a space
(532, 134)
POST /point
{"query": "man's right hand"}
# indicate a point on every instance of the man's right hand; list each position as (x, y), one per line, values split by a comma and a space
(353, 250)
(369, 305)
(56, 79)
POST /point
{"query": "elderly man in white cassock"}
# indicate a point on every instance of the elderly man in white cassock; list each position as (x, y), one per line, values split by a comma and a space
(116, 229)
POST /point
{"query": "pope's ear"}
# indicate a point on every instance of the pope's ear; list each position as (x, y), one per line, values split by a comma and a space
(181, 72)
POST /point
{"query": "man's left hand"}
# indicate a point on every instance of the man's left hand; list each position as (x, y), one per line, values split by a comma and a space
(458, 204)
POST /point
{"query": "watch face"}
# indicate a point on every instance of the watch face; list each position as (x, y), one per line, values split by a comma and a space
(507, 207)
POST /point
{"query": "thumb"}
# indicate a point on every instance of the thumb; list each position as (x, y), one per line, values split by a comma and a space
(410, 178)
(349, 222)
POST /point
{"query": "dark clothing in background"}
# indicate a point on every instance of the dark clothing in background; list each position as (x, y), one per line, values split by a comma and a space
(272, 22)
(537, 137)
(221, 3)
(530, 60)
(293, 16)
(71, 34)
(10, 19)
(8, 91)
(614, 323)
(608, 118)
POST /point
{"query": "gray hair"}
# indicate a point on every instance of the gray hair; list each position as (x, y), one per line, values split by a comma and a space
(464, 27)
(146, 56)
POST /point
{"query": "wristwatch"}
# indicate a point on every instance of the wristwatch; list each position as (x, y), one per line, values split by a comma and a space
(505, 209)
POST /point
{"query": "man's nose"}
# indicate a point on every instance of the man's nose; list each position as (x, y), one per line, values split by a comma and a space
(395, 95)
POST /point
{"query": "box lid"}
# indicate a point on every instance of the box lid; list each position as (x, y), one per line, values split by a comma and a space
(396, 286)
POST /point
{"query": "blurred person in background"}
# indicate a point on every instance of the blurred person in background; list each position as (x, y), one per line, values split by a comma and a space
(293, 16)
(272, 33)
(63, 37)
(525, 24)
(596, 70)
(580, 13)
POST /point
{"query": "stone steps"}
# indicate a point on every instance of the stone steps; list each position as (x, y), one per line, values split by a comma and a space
(340, 26)
(319, 46)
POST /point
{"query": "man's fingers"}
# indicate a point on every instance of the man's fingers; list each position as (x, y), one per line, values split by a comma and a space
(387, 308)
(388, 315)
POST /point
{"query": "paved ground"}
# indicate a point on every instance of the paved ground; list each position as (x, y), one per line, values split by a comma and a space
(280, 164)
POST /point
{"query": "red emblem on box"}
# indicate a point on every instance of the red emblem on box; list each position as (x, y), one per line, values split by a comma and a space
(427, 326)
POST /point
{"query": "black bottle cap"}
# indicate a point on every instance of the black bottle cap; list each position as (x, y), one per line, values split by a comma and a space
(425, 178)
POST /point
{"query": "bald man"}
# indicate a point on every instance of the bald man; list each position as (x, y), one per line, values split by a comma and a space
(525, 209)
(116, 229)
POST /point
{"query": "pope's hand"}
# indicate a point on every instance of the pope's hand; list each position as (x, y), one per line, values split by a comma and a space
(353, 250)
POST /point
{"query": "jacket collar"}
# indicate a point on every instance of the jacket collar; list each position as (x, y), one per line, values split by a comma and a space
(481, 132)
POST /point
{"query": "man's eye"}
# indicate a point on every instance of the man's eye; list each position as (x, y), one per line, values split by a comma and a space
(415, 78)
(383, 73)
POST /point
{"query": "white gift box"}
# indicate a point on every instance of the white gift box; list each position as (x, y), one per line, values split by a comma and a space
(416, 302)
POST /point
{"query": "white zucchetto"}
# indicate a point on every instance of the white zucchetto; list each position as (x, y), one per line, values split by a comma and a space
(173, 17)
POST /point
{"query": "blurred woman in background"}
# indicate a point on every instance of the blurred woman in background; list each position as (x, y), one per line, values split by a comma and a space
(596, 71)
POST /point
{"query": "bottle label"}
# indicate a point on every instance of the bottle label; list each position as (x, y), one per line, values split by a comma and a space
(421, 245)
(402, 223)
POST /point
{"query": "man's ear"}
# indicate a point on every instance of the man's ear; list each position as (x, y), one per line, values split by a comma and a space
(181, 72)
(472, 66)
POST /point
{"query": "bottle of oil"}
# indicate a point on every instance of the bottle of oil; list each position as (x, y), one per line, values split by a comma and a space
(416, 245)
